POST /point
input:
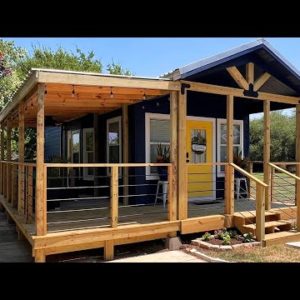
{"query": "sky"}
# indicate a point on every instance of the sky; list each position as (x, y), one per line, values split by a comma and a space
(156, 56)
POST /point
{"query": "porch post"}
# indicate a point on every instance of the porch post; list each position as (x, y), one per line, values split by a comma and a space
(8, 158)
(40, 202)
(182, 166)
(298, 165)
(229, 171)
(173, 155)
(125, 152)
(21, 168)
(2, 158)
(267, 139)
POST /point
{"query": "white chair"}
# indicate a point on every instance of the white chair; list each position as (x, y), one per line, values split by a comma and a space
(238, 187)
(163, 195)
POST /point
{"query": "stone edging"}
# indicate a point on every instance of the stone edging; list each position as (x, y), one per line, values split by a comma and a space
(206, 245)
(198, 254)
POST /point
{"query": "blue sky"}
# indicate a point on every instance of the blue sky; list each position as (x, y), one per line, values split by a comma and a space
(155, 56)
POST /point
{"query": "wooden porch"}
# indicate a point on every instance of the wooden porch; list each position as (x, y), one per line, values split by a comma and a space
(113, 221)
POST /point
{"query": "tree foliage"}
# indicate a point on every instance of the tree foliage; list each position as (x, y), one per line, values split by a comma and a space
(283, 141)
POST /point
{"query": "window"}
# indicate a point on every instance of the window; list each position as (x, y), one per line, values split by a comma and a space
(74, 146)
(88, 152)
(114, 140)
(238, 141)
(157, 132)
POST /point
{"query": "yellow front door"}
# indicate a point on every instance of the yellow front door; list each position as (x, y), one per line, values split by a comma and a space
(199, 150)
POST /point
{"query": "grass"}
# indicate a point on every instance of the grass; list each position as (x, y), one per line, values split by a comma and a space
(276, 253)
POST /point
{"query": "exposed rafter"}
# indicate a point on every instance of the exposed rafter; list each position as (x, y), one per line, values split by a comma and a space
(261, 81)
(238, 77)
(250, 73)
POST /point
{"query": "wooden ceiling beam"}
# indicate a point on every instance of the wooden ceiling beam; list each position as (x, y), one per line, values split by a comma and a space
(250, 73)
(238, 77)
(261, 81)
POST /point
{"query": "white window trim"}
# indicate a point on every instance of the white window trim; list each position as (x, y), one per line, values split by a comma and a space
(71, 145)
(224, 121)
(85, 156)
(109, 121)
(148, 117)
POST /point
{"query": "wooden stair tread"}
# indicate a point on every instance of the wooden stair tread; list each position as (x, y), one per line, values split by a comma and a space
(281, 234)
(252, 214)
(268, 224)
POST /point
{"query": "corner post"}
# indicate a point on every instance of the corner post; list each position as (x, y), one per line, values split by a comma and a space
(2, 158)
(41, 205)
(182, 166)
(298, 164)
(21, 169)
(260, 212)
(229, 171)
(125, 148)
(114, 200)
(9, 167)
(267, 141)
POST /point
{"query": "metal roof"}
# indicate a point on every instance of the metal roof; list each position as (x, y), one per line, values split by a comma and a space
(210, 62)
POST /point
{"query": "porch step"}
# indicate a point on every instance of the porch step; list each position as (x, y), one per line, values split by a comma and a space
(281, 237)
(270, 227)
(244, 218)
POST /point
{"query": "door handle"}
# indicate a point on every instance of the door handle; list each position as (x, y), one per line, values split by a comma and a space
(187, 157)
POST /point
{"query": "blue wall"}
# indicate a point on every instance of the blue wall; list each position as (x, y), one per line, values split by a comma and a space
(53, 139)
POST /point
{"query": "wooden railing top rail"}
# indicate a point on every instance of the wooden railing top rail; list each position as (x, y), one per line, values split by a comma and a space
(290, 163)
(105, 165)
(250, 176)
(18, 163)
(208, 164)
(284, 171)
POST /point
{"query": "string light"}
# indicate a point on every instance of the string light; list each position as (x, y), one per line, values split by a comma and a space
(144, 97)
(73, 92)
(111, 93)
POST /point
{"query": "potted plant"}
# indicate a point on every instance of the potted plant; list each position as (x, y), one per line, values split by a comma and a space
(163, 156)
(240, 161)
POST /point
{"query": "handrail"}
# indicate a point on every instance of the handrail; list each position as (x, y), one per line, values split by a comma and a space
(248, 175)
(95, 165)
(284, 171)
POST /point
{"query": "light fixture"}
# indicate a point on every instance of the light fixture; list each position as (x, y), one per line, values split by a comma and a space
(144, 97)
(73, 92)
(111, 93)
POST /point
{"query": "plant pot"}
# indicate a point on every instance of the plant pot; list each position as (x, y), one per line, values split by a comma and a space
(162, 173)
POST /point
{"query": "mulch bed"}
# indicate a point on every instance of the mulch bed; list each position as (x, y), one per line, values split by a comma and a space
(215, 241)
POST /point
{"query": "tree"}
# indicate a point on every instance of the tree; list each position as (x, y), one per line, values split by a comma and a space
(117, 69)
(283, 141)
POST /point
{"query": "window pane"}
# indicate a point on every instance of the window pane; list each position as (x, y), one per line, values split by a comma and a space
(160, 131)
(76, 157)
(75, 141)
(114, 154)
(113, 133)
(223, 154)
(236, 134)
(236, 150)
(89, 141)
(223, 134)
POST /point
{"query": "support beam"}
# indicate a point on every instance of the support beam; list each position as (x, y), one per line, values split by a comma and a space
(173, 176)
(21, 169)
(260, 212)
(267, 142)
(229, 171)
(236, 92)
(238, 77)
(40, 202)
(109, 250)
(261, 81)
(114, 200)
(298, 165)
(250, 73)
(182, 166)
(125, 148)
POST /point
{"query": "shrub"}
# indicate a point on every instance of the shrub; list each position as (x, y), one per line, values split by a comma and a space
(206, 236)
(226, 240)
(248, 237)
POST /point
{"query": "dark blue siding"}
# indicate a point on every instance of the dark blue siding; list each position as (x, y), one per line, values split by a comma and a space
(52, 142)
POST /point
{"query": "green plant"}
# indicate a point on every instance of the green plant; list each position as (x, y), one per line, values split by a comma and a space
(163, 153)
(199, 139)
(226, 239)
(207, 236)
(240, 161)
(233, 233)
(248, 237)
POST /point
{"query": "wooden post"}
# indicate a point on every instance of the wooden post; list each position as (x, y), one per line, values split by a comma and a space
(40, 256)
(125, 148)
(267, 139)
(260, 212)
(4, 164)
(250, 73)
(2, 159)
(29, 194)
(114, 200)
(21, 169)
(40, 201)
(173, 200)
(229, 171)
(109, 250)
(298, 164)
(251, 167)
(182, 166)
(8, 158)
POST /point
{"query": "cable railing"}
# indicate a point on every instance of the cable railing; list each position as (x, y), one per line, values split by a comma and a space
(112, 199)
